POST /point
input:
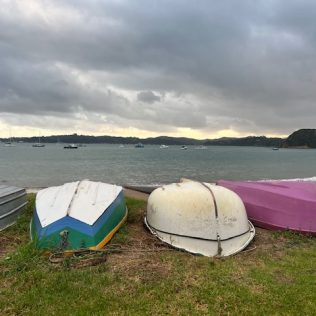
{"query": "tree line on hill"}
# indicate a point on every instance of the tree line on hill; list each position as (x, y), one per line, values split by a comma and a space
(304, 138)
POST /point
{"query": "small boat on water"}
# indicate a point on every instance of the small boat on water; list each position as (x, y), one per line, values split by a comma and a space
(38, 144)
(12, 202)
(71, 146)
(200, 218)
(183, 147)
(139, 145)
(275, 148)
(278, 205)
(77, 215)
(9, 144)
(164, 146)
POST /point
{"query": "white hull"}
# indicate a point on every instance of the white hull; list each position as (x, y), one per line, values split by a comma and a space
(200, 218)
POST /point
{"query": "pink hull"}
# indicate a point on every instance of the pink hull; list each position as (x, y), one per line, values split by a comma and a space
(278, 205)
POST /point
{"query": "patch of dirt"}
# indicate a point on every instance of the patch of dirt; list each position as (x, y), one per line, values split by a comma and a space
(7, 244)
(136, 194)
(139, 259)
(281, 277)
(267, 241)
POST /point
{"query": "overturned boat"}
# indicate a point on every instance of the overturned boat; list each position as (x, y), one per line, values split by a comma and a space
(278, 205)
(200, 218)
(77, 215)
(12, 202)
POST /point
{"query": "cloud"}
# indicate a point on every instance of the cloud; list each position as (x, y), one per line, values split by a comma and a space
(148, 97)
(248, 67)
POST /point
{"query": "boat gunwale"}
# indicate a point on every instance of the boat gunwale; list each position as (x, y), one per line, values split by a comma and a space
(13, 197)
(251, 231)
(13, 211)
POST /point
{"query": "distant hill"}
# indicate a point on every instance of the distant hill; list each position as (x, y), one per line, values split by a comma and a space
(166, 140)
(303, 138)
(262, 141)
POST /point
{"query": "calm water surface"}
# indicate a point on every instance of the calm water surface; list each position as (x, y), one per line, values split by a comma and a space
(26, 166)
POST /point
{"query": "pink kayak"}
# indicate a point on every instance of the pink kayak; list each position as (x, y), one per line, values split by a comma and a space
(278, 205)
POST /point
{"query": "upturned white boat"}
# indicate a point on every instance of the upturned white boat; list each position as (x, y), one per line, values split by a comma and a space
(200, 218)
(76, 215)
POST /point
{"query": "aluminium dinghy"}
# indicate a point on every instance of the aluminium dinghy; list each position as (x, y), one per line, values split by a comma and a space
(78, 215)
(278, 205)
(12, 202)
(200, 218)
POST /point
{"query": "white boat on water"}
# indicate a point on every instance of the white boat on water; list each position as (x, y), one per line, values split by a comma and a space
(9, 143)
(38, 144)
(163, 146)
(183, 147)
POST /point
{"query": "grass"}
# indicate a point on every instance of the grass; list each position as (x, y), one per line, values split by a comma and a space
(276, 276)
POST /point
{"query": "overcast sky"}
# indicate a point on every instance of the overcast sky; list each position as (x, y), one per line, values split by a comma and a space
(167, 67)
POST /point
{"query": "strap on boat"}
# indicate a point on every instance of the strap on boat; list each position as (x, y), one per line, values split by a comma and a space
(218, 239)
(219, 247)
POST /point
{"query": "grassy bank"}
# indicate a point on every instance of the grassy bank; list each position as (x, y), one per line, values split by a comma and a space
(276, 275)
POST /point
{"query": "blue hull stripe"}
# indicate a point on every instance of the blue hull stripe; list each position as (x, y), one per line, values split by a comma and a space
(67, 221)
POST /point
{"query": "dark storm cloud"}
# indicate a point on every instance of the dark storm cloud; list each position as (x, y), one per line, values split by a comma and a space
(245, 65)
(148, 97)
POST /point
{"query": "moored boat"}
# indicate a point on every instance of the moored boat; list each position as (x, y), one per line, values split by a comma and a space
(12, 202)
(71, 146)
(38, 145)
(200, 218)
(278, 205)
(77, 215)
(9, 144)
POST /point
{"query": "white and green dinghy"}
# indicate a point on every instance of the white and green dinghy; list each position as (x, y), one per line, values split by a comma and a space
(77, 215)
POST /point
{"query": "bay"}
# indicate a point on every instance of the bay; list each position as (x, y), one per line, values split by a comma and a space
(26, 166)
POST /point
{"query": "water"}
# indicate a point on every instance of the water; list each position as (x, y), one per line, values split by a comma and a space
(26, 166)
